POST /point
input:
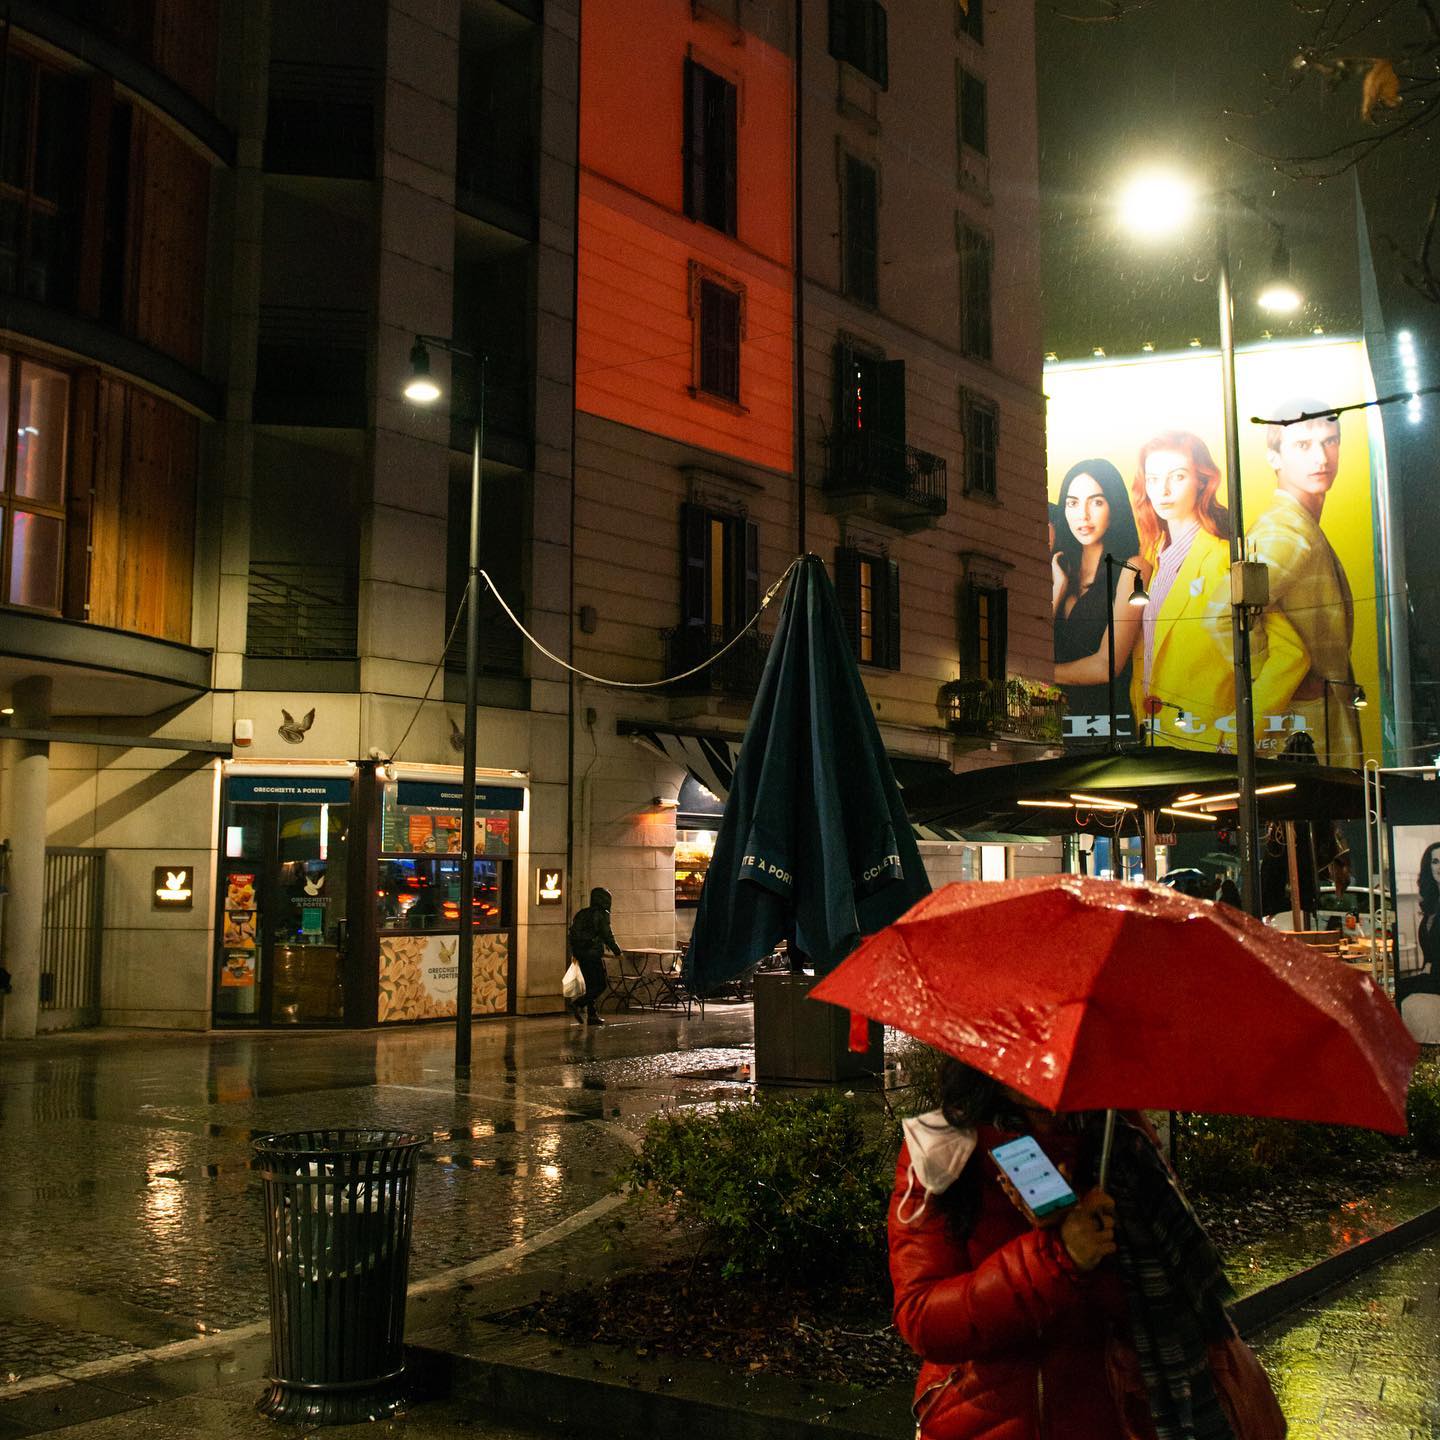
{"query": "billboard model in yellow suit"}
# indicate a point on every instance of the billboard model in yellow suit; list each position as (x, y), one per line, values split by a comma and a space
(1185, 546)
(1309, 591)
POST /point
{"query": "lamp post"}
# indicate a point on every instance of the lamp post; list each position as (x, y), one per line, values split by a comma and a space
(1357, 702)
(1139, 599)
(422, 390)
(1155, 204)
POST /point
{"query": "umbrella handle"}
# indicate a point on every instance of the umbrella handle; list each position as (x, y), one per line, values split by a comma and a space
(1105, 1147)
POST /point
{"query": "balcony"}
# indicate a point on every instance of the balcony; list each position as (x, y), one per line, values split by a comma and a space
(300, 611)
(321, 121)
(502, 646)
(736, 674)
(895, 483)
(1013, 708)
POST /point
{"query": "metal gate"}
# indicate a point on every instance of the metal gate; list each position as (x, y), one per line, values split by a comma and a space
(70, 938)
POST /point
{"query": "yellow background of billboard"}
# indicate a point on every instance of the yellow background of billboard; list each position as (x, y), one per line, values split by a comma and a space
(1110, 408)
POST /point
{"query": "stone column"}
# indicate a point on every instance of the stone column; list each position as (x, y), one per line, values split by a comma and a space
(25, 904)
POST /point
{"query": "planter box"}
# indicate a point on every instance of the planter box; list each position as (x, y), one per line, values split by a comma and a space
(802, 1042)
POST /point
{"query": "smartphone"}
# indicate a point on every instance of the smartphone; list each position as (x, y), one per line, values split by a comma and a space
(1042, 1188)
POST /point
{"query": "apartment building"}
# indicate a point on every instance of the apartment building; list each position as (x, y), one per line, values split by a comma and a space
(234, 556)
(920, 428)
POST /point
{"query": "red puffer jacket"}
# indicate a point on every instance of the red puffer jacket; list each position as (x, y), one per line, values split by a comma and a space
(1012, 1334)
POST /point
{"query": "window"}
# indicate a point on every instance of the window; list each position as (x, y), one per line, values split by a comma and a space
(983, 631)
(858, 37)
(42, 146)
(970, 91)
(970, 19)
(868, 589)
(981, 421)
(710, 148)
(976, 261)
(720, 580)
(32, 488)
(861, 233)
(870, 398)
(718, 371)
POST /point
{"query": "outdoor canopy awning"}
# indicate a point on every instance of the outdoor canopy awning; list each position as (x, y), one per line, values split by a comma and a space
(709, 757)
(1150, 778)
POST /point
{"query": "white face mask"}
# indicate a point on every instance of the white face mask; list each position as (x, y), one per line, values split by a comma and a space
(938, 1153)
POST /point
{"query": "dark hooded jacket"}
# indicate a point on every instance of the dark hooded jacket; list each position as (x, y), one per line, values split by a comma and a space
(590, 932)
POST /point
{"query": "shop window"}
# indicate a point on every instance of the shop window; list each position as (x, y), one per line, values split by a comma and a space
(868, 590)
(717, 309)
(32, 487)
(693, 852)
(858, 36)
(43, 115)
(970, 90)
(861, 232)
(720, 584)
(976, 264)
(983, 624)
(981, 421)
(711, 148)
(970, 19)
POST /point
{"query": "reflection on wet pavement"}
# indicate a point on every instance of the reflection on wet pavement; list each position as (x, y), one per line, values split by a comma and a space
(134, 1219)
(1361, 1363)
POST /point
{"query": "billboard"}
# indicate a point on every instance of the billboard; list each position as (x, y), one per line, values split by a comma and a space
(1137, 471)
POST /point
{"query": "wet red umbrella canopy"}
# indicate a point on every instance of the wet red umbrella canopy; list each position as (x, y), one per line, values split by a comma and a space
(1091, 994)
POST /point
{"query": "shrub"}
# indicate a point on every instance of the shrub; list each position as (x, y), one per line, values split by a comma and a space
(787, 1189)
(1423, 1105)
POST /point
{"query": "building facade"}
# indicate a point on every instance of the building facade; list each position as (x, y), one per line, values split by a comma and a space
(230, 626)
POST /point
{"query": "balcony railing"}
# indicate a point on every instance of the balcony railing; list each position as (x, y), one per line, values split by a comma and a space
(910, 480)
(1015, 707)
(321, 120)
(736, 673)
(502, 647)
(301, 611)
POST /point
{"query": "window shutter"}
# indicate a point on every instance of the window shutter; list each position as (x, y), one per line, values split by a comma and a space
(882, 46)
(888, 412)
(839, 29)
(999, 606)
(750, 588)
(731, 153)
(845, 381)
(969, 633)
(694, 565)
(847, 593)
(892, 615)
(861, 232)
(694, 139)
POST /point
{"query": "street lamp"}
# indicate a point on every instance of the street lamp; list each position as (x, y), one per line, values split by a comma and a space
(1139, 599)
(420, 389)
(1357, 702)
(1155, 204)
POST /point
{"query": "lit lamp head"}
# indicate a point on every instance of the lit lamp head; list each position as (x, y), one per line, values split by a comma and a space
(1139, 596)
(420, 388)
(1156, 203)
(1359, 702)
(1279, 295)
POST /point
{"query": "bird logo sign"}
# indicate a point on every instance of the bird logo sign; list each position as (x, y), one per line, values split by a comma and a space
(172, 887)
(549, 885)
(314, 886)
(292, 731)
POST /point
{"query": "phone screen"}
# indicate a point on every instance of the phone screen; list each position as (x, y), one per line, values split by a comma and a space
(1040, 1185)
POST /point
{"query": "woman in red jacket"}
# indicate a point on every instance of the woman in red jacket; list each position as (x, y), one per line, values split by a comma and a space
(1029, 1333)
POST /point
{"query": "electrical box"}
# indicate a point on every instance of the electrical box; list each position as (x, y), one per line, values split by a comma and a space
(1250, 584)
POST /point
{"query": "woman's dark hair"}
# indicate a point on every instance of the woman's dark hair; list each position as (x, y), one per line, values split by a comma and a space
(1429, 889)
(1121, 538)
(967, 1099)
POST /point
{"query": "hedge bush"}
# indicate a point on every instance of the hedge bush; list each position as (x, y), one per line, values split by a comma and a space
(785, 1188)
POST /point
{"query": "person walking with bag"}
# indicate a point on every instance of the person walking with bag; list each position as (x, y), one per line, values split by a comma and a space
(590, 937)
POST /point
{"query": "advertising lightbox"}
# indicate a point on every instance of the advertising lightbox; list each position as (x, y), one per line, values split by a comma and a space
(1137, 470)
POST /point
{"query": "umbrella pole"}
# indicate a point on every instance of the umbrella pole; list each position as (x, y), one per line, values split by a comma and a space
(1105, 1145)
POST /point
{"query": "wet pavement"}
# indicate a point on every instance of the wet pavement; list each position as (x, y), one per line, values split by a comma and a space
(134, 1222)
(1363, 1362)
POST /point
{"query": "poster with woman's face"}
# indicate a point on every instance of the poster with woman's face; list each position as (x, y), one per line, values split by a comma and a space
(1136, 456)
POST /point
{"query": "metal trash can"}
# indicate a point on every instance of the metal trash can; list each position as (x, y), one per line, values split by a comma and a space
(338, 1211)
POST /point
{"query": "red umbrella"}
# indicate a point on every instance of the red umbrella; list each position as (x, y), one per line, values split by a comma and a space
(1092, 994)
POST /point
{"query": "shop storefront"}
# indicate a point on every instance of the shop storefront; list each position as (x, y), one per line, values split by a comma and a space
(339, 896)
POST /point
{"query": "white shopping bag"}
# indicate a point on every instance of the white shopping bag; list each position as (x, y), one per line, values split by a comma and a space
(573, 985)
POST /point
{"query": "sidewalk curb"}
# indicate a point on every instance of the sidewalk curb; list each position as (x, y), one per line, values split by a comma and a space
(586, 1388)
(1254, 1312)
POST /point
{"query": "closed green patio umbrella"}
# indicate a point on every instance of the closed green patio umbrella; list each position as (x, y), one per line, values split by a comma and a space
(814, 846)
